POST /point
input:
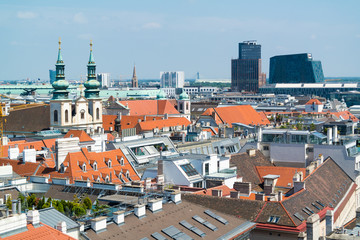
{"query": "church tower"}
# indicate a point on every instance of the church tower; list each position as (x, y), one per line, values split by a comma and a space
(60, 104)
(184, 105)
(134, 80)
(92, 93)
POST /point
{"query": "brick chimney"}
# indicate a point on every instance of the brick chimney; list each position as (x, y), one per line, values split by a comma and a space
(61, 226)
(33, 217)
(313, 227)
(243, 187)
(329, 219)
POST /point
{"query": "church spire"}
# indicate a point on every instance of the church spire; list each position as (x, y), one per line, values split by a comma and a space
(91, 85)
(134, 80)
(60, 85)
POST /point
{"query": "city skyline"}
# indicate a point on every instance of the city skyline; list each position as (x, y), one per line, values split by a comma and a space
(190, 36)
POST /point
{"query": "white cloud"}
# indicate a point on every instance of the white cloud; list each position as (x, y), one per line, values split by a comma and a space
(151, 25)
(26, 15)
(80, 18)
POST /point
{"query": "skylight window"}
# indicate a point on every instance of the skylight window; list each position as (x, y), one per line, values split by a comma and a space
(189, 169)
(273, 219)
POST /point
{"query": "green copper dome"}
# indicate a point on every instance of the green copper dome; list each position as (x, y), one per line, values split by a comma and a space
(184, 96)
(161, 95)
(60, 85)
(92, 84)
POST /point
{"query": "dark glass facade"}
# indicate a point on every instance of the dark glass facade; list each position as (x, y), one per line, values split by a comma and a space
(246, 70)
(295, 68)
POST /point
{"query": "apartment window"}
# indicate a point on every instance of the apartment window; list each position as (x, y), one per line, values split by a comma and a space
(266, 148)
(82, 114)
(206, 168)
(197, 184)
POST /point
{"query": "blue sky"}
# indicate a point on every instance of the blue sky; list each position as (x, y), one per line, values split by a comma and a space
(171, 35)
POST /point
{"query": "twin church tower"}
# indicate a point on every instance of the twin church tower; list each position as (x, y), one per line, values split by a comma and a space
(83, 113)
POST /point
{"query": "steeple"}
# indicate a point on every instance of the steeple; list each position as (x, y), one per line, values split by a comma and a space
(91, 85)
(60, 85)
(134, 80)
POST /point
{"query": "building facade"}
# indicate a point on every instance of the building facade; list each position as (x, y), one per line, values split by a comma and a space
(104, 79)
(246, 72)
(172, 79)
(295, 68)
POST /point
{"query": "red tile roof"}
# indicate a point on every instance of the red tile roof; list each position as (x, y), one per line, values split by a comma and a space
(149, 107)
(74, 162)
(131, 121)
(313, 101)
(286, 174)
(82, 135)
(109, 121)
(225, 191)
(160, 124)
(43, 232)
(38, 145)
(244, 114)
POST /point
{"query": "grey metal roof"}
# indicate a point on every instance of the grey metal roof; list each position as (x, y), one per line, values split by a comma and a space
(51, 217)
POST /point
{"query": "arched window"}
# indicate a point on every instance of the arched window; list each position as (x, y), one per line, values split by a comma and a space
(109, 163)
(84, 167)
(95, 166)
(66, 116)
(82, 114)
(97, 113)
(56, 116)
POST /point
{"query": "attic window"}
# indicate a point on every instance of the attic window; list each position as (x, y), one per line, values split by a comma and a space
(95, 166)
(273, 219)
(122, 161)
(128, 175)
(109, 163)
(84, 167)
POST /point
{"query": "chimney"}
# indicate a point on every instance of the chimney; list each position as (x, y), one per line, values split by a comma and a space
(166, 116)
(216, 192)
(160, 164)
(259, 134)
(280, 196)
(119, 217)
(298, 186)
(251, 152)
(61, 226)
(33, 217)
(155, 205)
(260, 196)
(144, 118)
(29, 155)
(243, 187)
(13, 152)
(98, 224)
(329, 219)
(19, 206)
(147, 183)
(140, 210)
(329, 136)
(13, 207)
(313, 227)
(235, 194)
(268, 189)
(176, 197)
(160, 179)
(335, 134)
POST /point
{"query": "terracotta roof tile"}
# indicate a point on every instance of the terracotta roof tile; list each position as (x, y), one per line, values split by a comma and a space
(149, 107)
(160, 124)
(109, 121)
(44, 232)
(286, 174)
(82, 135)
(313, 101)
(225, 191)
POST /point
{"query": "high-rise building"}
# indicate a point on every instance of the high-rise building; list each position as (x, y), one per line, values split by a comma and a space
(246, 72)
(104, 79)
(134, 80)
(295, 68)
(52, 76)
(172, 79)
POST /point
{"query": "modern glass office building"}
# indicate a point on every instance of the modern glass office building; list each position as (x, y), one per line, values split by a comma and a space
(295, 68)
(246, 70)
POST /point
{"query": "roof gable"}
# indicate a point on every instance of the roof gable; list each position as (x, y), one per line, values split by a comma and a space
(82, 135)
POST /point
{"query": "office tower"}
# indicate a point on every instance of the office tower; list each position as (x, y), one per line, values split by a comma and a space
(134, 80)
(172, 79)
(52, 76)
(104, 79)
(246, 72)
(295, 68)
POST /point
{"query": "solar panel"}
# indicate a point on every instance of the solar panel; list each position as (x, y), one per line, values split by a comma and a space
(205, 223)
(158, 236)
(189, 169)
(175, 233)
(217, 217)
(192, 228)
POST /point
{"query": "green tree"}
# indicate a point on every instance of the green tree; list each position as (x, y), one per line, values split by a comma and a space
(87, 203)
(312, 127)
(9, 203)
(60, 207)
